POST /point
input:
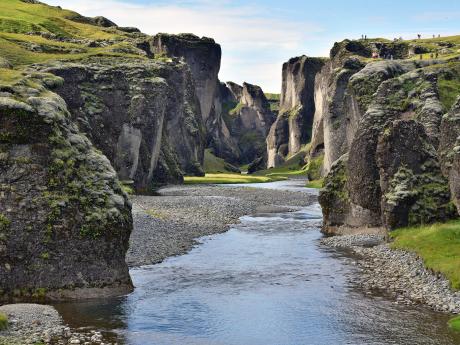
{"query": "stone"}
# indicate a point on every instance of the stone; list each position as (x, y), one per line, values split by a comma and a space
(67, 242)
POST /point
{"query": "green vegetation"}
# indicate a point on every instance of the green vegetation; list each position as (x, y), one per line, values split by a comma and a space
(236, 109)
(438, 245)
(34, 33)
(449, 90)
(229, 178)
(213, 164)
(4, 223)
(3, 322)
(315, 184)
(274, 101)
(455, 323)
(293, 166)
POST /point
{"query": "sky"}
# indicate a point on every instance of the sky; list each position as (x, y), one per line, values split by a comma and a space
(258, 36)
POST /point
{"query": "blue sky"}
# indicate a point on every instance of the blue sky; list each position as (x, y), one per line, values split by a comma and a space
(258, 36)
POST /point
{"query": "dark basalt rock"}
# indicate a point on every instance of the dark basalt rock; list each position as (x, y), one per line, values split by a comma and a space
(136, 109)
(412, 186)
(64, 220)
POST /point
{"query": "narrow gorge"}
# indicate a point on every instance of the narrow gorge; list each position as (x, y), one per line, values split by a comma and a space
(132, 208)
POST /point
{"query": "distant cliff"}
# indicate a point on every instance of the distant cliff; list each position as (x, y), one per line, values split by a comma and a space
(293, 126)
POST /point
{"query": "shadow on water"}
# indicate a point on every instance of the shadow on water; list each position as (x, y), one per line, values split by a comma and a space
(266, 281)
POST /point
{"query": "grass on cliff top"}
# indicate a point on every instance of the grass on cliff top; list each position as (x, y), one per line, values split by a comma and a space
(3, 322)
(228, 179)
(437, 244)
(17, 19)
(455, 323)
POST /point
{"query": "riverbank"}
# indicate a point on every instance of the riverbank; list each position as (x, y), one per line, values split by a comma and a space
(399, 274)
(169, 224)
(36, 324)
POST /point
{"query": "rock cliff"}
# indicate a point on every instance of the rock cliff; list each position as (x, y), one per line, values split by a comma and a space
(389, 148)
(64, 220)
(293, 126)
(248, 116)
(143, 115)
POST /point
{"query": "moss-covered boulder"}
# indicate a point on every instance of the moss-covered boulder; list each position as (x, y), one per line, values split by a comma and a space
(64, 220)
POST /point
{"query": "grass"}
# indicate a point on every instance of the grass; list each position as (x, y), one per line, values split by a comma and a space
(294, 166)
(228, 179)
(437, 244)
(315, 184)
(449, 90)
(213, 164)
(3, 322)
(18, 18)
(455, 323)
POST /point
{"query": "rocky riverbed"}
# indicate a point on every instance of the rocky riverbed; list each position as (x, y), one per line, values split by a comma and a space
(397, 273)
(33, 324)
(169, 224)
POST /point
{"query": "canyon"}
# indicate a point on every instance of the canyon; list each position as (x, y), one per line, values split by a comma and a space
(91, 113)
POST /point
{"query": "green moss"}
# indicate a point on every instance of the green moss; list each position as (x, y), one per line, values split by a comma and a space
(45, 255)
(449, 90)
(314, 168)
(3, 322)
(315, 184)
(437, 244)
(4, 223)
(455, 323)
(236, 110)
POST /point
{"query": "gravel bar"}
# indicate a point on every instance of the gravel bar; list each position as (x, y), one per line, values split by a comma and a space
(169, 224)
(398, 273)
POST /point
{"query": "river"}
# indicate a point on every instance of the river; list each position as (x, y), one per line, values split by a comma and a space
(267, 281)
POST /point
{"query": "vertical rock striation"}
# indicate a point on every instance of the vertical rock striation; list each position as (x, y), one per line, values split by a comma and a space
(293, 126)
(143, 115)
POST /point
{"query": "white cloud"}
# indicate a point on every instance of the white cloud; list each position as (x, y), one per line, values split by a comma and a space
(254, 39)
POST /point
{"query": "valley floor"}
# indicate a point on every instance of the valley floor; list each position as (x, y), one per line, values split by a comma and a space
(180, 214)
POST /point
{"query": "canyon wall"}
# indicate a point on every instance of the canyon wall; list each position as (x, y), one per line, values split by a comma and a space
(292, 128)
(388, 150)
(64, 220)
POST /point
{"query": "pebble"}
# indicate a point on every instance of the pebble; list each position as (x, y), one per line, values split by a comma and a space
(400, 274)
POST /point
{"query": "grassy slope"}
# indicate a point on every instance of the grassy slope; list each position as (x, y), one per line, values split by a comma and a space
(213, 164)
(438, 245)
(294, 166)
(18, 18)
(229, 178)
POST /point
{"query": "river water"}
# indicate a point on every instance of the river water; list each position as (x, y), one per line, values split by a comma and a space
(267, 281)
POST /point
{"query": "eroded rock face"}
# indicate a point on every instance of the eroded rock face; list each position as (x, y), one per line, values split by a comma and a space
(414, 191)
(293, 126)
(137, 112)
(249, 121)
(203, 57)
(393, 173)
(64, 220)
(449, 150)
